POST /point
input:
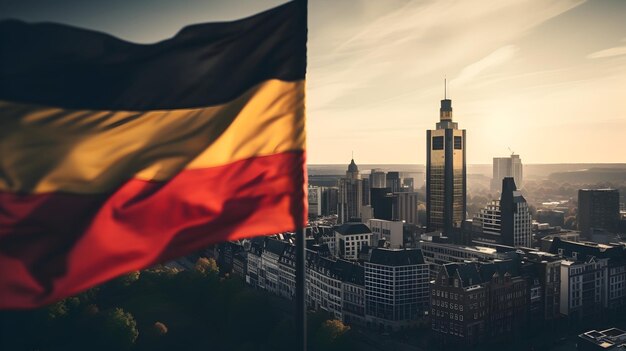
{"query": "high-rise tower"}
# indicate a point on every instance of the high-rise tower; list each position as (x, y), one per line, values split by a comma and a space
(506, 167)
(445, 172)
(350, 195)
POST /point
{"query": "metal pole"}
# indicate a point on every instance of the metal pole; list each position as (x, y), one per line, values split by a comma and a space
(301, 328)
(301, 289)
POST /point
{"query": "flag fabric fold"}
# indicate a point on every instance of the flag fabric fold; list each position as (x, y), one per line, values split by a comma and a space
(116, 156)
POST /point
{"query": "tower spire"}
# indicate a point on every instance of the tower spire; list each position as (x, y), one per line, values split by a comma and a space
(445, 112)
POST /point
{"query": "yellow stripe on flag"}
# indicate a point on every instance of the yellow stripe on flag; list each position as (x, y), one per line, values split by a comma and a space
(80, 151)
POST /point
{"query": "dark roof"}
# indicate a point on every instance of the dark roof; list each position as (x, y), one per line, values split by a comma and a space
(353, 228)
(349, 272)
(352, 167)
(468, 272)
(256, 245)
(321, 249)
(275, 246)
(396, 257)
(585, 250)
(474, 273)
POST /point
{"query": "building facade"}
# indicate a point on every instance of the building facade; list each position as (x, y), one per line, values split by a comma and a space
(391, 231)
(350, 238)
(407, 203)
(506, 221)
(330, 200)
(598, 209)
(378, 178)
(315, 201)
(383, 203)
(473, 303)
(506, 167)
(396, 289)
(593, 278)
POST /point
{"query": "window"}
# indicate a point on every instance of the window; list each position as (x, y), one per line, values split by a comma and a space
(438, 143)
(458, 142)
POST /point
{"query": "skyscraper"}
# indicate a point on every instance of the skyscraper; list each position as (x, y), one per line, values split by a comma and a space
(377, 178)
(394, 181)
(350, 194)
(407, 207)
(445, 173)
(507, 167)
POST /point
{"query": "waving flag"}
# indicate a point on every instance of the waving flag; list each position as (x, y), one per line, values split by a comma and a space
(116, 156)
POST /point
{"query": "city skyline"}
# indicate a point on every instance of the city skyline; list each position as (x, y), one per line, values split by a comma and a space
(543, 78)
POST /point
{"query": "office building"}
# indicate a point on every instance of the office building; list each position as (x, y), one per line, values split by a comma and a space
(315, 201)
(504, 167)
(396, 289)
(408, 185)
(350, 195)
(350, 238)
(390, 231)
(383, 203)
(506, 221)
(394, 181)
(445, 173)
(330, 200)
(365, 184)
(378, 178)
(406, 205)
(598, 209)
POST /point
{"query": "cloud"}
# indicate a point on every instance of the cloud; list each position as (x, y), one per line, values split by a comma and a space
(412, 44)
(615, 51)
(495, 58)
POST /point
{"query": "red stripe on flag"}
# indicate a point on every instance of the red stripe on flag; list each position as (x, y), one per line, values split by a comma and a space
(55, 245)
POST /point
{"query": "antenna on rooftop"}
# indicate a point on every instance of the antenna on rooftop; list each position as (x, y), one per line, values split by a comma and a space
(512, 152)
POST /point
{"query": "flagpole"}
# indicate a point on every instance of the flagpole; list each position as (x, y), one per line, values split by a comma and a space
(301, 289)
(301, 329)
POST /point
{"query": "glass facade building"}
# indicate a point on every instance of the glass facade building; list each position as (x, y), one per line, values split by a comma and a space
(445, 173)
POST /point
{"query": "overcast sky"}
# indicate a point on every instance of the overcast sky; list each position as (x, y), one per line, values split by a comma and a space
(545, 78)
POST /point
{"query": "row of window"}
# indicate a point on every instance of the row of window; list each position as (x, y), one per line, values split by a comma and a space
(444, 314)
(446, 304)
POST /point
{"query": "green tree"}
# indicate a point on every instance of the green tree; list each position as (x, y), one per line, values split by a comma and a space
(206, 266)
(118, 330)
(329, 334)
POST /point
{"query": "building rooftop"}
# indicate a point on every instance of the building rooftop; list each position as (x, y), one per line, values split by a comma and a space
(609, 339)
(475, 273)
(276, 246)
(478, 249)
(585, 249)
(353, 228)
(352, 167)
(396, 257)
